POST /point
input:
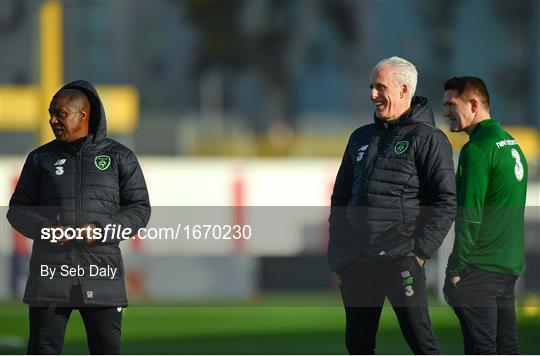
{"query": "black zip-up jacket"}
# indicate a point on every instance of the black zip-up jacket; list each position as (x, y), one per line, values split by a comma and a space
(99, 182)
(395, 192)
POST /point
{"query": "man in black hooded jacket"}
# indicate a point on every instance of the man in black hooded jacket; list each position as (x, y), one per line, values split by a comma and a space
(393, 203)
(83, 185)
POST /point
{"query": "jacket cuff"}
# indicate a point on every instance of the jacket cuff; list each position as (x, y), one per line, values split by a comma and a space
(454, 271)
(418, 252)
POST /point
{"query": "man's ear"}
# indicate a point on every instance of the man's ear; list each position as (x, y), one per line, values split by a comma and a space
(404, 91)
(475, 105)
(84, 115)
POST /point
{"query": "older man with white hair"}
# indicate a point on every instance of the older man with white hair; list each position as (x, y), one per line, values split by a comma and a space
(393, 203)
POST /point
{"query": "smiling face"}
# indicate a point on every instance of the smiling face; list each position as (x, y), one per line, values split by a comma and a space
(68, 119)
(458, 111)
(390, 98)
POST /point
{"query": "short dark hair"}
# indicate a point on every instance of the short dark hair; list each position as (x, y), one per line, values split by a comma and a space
(468, 86)
(74, 95)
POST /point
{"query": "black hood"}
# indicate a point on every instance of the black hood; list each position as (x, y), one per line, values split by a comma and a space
(98, 122)
(420, 112)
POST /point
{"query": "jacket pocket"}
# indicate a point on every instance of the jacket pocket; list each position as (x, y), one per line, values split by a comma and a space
(393, 242)
(106, 285)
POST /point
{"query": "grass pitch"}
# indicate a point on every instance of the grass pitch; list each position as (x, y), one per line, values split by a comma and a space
(248, 329)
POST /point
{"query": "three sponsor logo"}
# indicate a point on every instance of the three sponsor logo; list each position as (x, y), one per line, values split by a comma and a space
(407, 283)
(59, 166)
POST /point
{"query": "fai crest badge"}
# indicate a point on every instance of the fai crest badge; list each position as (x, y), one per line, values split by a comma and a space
(401, 147)
(102, 162)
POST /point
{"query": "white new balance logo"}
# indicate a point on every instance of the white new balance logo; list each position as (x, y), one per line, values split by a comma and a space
(361, 152)
(60, 162)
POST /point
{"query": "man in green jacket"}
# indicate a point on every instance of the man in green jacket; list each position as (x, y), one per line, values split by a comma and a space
(487, 257)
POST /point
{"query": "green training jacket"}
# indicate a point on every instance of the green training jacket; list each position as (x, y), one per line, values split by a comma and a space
(491, 182)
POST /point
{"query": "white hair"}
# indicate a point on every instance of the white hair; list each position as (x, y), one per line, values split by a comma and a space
(405, 72)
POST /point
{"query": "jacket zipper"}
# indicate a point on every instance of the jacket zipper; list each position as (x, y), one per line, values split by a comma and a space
(78, 188)
(78, 205)
(371, 164)
(78, 201)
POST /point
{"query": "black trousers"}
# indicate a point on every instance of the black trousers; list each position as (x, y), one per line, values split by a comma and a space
(48, 327)
(484, 303)
(364, 287)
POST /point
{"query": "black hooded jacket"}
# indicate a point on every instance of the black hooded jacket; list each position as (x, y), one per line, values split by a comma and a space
(395, 190)
(101, 182)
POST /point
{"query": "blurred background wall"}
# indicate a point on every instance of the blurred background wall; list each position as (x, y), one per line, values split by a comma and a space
(216, 96)
(261, 77)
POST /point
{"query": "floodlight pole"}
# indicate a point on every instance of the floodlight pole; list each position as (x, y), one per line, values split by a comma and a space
(50, 61)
